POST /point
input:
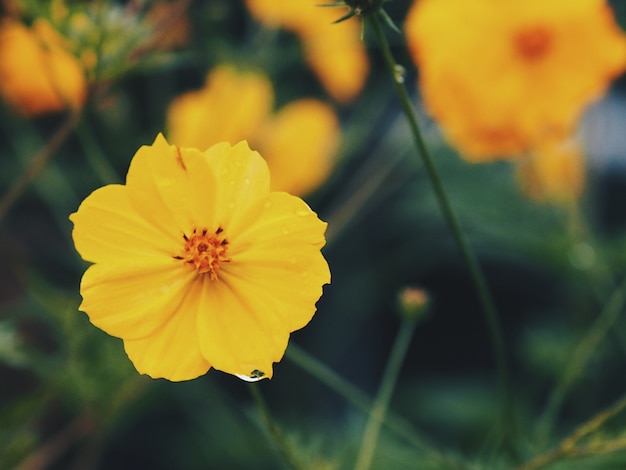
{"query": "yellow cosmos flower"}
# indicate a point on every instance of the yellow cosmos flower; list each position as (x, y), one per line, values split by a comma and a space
(197, 264)
(334, 52)
(37, 74)
(500, 76)
(553, 173)
(299, 142)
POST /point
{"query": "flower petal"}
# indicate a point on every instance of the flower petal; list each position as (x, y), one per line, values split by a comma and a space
(107, 228)
(131, 301)
(267, 291)
(244, 183)
(231, 107)
(300, 144)
(238, 333)
(173, 351)
(172, 187)
(279, 258)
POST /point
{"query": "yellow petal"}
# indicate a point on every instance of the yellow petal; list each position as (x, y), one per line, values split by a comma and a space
(173, 350)
(171, 187)
(501, 77)
(334, 52)
(238, 333)
(244, 182)
(299, 146)
(108, 229)
(337, 55)
(230, 107)
(267, 291)
(279, 259)
(554, 173)
(131, 301)
(37, 74)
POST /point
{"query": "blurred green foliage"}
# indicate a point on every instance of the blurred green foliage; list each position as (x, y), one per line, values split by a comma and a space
(70, 399)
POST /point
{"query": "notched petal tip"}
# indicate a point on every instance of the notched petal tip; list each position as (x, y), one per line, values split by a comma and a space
(160, 140)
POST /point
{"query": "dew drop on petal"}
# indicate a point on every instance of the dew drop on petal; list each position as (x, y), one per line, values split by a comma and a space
(254, 376)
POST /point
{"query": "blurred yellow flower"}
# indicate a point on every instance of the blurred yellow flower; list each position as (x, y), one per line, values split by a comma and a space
(334, 52)
(198, 264)
(298, 142)
(553, 173)
(37, 73)
(499, 76)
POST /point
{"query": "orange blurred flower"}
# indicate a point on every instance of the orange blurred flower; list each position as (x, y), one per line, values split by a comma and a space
(37, 73)
(334, 52)
(501, 75)
(298, 142)
(197, 264)
(553, 173)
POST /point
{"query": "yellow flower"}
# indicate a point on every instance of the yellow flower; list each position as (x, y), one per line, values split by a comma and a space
(37, 74)
(197, 264)
(500, 76)
(299, 142)
(334, 52)
(553, 173)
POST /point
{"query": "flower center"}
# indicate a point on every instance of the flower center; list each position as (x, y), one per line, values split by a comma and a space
(533, 43)
(205, 251)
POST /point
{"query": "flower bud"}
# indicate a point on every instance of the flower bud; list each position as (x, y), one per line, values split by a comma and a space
(413, 303)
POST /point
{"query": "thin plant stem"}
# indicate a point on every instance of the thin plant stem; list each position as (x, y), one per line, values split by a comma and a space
(95, 156)
(484, 296)
(569, 446)
(581, 356)
(387, 386)
(328, 377)
(37, 164)
(361, 400)
(57, 445)
(275, 433)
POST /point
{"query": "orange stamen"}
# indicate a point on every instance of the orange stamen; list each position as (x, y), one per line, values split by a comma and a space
(533, 43)
(205, 251)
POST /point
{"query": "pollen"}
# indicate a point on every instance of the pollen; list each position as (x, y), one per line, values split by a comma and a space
(205, 250)
(533, 43)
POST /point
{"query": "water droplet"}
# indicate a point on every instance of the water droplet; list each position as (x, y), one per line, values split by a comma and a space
(254, 376)
(303, 213)
(399, 73)
(246, 181)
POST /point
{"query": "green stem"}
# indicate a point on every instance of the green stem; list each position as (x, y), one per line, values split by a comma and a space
(569, 446)
(276, 435)
(37, 164)
(388, 384)
(95, 156)
(585, 350)
(486, 301)
(361, 400)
